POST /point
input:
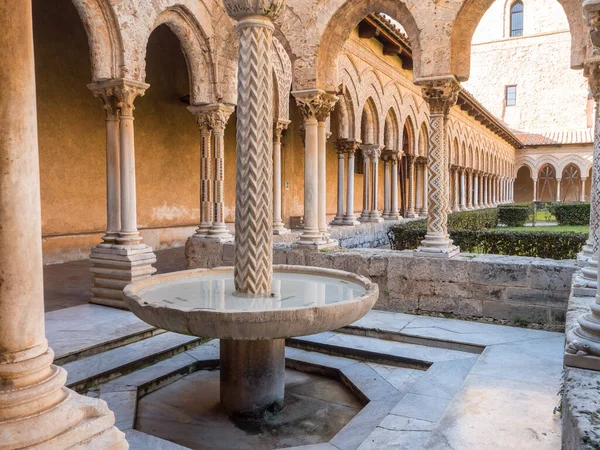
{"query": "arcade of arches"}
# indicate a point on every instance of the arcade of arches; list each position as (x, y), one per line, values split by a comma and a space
(370, 124)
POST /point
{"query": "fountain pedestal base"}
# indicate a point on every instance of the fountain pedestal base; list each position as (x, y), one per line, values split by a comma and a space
(252, 376)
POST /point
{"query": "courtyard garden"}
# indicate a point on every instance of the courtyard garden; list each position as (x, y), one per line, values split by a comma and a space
(548, 230)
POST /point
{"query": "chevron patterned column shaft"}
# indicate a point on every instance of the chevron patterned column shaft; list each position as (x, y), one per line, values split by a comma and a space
(254, 190)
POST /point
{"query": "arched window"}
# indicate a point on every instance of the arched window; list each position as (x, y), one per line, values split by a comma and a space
(516, 19)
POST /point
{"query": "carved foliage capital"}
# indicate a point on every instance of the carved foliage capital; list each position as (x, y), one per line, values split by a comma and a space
(591, 11)
(120, 93)
(347, 146)
(109, 100)
(592, 71)
(372, 151)
(278, 128)
(440, 94)
(315, 104)
(212, 117)
(239, 9)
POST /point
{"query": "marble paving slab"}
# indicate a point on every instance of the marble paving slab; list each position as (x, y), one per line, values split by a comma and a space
(80, 328)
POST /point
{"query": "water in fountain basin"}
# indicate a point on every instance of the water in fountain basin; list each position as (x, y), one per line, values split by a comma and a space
(216, 291)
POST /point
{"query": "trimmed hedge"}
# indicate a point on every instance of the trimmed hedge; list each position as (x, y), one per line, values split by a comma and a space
(409, 235)
(577, 213)
(543, 244)
(514, 215)
(473, 220)
(482, 239)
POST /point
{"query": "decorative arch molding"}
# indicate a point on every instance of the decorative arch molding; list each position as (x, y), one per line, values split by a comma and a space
(582, 164)
(282, 68)
(104, 39)
(472, 11)
(391, 131)
(369, 127)
(410, 127)
(424, 140)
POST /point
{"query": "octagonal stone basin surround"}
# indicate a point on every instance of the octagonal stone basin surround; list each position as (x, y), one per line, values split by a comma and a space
(320, 300)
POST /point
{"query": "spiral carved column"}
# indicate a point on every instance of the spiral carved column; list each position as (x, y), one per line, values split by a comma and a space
(441, 95)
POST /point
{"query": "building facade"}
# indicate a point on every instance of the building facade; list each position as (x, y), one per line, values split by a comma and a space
(520, 71)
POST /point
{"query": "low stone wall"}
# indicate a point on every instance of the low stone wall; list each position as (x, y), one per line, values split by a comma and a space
(504, 288)
(581, 394)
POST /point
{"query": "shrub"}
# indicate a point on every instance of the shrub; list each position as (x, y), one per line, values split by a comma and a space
(521, 243)
(577, 213)
(514, 215)
(408, 235)
(473, 220)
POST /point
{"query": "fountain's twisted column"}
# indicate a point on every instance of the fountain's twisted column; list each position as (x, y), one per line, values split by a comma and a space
(253, 371)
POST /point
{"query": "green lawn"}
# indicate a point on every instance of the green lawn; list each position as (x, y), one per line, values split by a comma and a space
(544, 216)
(556, 229)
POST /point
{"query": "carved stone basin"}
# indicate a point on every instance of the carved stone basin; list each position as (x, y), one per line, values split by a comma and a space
(202, 302)
(252, 329)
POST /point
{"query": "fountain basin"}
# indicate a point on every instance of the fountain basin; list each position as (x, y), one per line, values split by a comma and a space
(202, 302)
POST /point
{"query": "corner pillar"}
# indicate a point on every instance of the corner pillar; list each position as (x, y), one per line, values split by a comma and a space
(36, 410)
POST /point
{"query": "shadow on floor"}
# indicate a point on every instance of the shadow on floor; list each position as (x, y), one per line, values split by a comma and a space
(68, 284)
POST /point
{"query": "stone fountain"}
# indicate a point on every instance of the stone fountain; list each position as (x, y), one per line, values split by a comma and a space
(253, 306)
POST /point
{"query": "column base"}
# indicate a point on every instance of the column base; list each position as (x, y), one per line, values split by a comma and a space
(337, 220)
(319, 243)
(411, 216)
(281, 231)
(582, 348)
(393, 216)
(116, 266)
(75, 421)
(586, 253)
(350, 221)
(437, 246)
(585, 282)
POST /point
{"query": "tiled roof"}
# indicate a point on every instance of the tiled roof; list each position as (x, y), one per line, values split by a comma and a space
(556, 137)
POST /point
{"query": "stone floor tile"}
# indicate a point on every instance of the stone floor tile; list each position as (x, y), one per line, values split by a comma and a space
(370, 383)
(80, 328)
(123, 404)
(142, 441)
(362, 425)
(399, 423)
(422, 407)
(383, 438)
(444, 379)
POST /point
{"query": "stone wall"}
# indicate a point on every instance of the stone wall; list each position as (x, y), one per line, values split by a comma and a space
(507, 289)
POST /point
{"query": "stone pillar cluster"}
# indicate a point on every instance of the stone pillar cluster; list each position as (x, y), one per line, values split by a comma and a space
(371, 154)
(121, 258)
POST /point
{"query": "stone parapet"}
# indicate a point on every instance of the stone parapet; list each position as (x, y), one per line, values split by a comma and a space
(506, 289)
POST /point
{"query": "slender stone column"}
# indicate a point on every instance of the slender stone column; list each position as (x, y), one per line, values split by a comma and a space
(456, 199)
(535, 189)
(410, 209)
(315, 106)
(218, 230)
(375, 216)
(418, 193)
(204, 119)
(394, 213)
(36, 410)
(441, 95)
(558, 181)
(485, 190)
(463, 190)
(470, 190)
(125, 259)
(476, 204)
(364, 216)
(350, 147)
(341, 153)
(583, 181)
(425, 191)
(278, 226)
(386, 188)
(322, 116)
(113, 165)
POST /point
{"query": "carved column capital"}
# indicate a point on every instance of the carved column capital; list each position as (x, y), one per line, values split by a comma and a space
(347, 146)
(240, 9)
(120, 92)
(372, 151)
(278, 128)
(315, 103)
(212, 117)
(109, 100)
(440, 94)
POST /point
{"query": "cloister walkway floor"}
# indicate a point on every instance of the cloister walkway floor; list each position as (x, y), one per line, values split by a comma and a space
(68, 284)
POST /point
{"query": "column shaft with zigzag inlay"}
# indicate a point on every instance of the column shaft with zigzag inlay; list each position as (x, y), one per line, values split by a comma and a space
(254, 192)
(441, 95)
